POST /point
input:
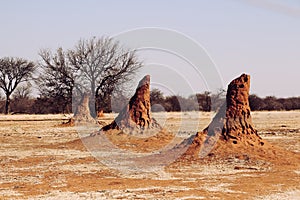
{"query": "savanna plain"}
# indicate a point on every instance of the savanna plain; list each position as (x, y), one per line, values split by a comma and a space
(38, 160)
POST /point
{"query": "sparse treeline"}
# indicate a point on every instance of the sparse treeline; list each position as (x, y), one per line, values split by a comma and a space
(21, 102)
(101, 67)
(210, 102)
(273, 103)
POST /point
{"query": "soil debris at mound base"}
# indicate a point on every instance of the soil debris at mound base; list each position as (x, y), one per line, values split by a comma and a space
(134, 128)
(232, 133)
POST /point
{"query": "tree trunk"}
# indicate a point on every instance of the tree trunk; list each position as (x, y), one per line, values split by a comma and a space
(92, 100)
(7, 104)
(92, 107)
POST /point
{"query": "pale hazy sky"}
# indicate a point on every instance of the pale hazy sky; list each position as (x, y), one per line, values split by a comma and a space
(259, 37)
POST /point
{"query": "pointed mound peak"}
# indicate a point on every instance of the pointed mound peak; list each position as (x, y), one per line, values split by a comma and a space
(237, 95)
(144, 82)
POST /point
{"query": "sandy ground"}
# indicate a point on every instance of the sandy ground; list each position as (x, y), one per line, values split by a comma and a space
(39, 161)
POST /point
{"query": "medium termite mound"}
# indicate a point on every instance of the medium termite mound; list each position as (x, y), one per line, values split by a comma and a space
(135, 128)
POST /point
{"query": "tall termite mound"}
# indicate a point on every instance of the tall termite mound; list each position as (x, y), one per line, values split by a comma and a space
(238, 126)
(137, 114)
(232, 126)
(134, 128)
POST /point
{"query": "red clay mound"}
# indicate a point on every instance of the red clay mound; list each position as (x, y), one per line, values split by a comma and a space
(137, 114)
(232, 133)
(134, 128)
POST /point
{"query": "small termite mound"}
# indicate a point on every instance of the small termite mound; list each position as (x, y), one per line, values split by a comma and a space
(82, 113)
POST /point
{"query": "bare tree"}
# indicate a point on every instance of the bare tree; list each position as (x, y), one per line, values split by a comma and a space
(101, 66)
(21, 101)
(56, 80)
(13, 71)
(156, 96)
(204, 101)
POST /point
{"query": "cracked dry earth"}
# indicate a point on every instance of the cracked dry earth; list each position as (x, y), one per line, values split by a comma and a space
(35, 163)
